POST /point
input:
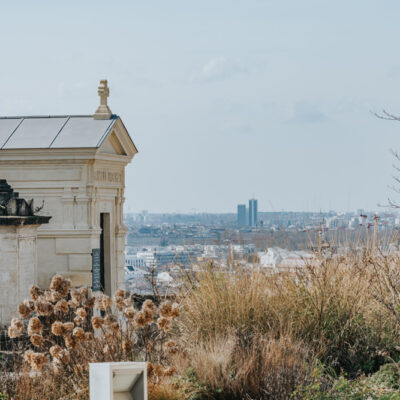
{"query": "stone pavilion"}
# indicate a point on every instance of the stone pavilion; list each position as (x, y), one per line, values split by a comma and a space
(73, 166)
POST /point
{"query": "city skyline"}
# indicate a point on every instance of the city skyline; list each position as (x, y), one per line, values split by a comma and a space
(259, 97)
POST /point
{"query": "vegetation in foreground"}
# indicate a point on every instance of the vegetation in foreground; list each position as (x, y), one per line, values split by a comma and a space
(327, 331)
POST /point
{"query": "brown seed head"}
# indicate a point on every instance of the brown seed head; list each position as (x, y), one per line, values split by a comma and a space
(35, 292)
(115, 327)
(175, 312)
(68, 326)
(34, 326)
(149, 304)
(62, 306)
(37, 340)
(163, 323)
(130, 312)
(120, 293)
(13, 332)
(44, 308)
(89, 303)
(55, 296)
(23, 311)
(70, 343)
(17, 324)
(140, 320)
(78, 334)
(165, 309)
(57, 328)
(97, 322)
(78, 320)
(109, 319)
(37, 361)
(56, 282)
(148, 315)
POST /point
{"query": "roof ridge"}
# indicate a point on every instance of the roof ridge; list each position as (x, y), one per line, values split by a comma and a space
(114, 116)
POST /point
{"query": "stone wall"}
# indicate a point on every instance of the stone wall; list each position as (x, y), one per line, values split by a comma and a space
(18, 267)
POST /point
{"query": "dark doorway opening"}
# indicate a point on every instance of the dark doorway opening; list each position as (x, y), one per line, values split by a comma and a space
(105, 260)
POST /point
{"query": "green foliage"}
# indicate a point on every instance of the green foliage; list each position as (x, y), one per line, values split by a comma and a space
(383, 385)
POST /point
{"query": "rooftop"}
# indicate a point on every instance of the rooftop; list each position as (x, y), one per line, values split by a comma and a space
(54, 131)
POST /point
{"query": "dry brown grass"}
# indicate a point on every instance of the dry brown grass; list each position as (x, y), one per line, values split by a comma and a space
(331, 306)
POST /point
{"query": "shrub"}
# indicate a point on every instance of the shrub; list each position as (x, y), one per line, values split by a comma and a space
(65, 329)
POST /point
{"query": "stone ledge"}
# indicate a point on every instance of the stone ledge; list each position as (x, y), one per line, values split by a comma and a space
(30, 220)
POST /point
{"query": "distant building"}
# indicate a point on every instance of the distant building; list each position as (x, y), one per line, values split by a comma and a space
(241, 215)
(253, 212)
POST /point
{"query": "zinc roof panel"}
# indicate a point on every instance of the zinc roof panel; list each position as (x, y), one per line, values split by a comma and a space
(82, 132)
(7, 127)
(35, 133)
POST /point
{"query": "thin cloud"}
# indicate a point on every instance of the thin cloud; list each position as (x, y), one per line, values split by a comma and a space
(217, 69)
(305, 113)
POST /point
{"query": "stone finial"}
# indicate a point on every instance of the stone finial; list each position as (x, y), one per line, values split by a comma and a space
(103, 112)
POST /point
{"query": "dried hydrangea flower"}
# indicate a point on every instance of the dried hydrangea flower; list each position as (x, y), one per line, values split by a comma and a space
(130, 312)
(165, 309)
(18, 325)
(44, 308)
(83, 291)
(28, 355)
(109, 319)
(81, 312)
(89, 336)
(175, 312)
(62, 306)
(55, 351)
(119, 303)
(148, 315)
(68, 326)
(128, 302)
(37, 340)
(34, 326)
(149, 305)
(35, 292)
(77, 296)
(140, 320)
(78, 320)
(57, 328)
(55, 296)
(127, 345)
(37, 361)
(107, 302)
(163, 323)
(97, 322)
(13, 332)
(73, 303)
(56, 282)
(69, 342)
(24, 311)
(120, 293)
(171, 347)
(115, 327)
(89, 303)
(78, 334)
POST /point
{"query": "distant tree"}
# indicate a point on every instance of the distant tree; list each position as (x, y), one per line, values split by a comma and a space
(391, 117)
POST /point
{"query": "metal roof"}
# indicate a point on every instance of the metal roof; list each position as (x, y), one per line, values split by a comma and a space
(53, 131)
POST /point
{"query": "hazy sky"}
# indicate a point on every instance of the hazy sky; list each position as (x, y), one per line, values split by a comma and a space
(225, 99)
